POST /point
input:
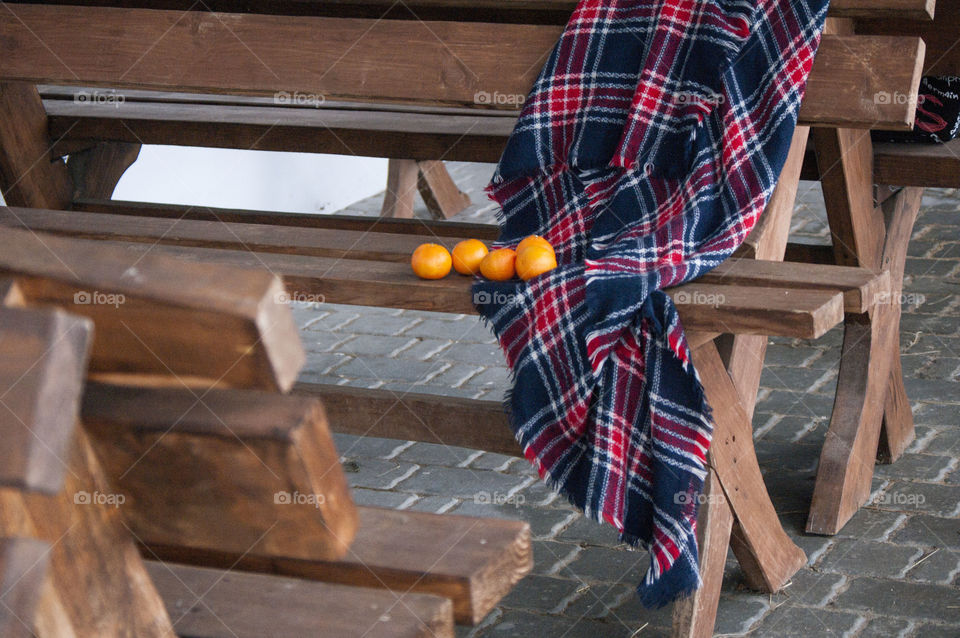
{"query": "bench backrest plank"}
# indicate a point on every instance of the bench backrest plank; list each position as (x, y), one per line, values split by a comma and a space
(445, 63)
(23, 568)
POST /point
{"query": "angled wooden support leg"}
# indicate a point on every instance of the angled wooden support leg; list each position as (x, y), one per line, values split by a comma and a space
(96, 171)
(43, 360)
(768, 557)
(96, 583)
(402, 176)
(30, 175)
(694, 617)
(439, 191)
(849, 451)
(23, 568)
(900, 213)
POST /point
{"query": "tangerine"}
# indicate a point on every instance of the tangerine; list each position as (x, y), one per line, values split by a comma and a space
(535, 260)
(533, 240)
(467, 256)
(431, 261)
(498, 265)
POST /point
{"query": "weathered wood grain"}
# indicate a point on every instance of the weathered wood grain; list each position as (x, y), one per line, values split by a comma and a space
(96, 583)
(29, 173)
(232, 327)
(472, 561)
(43, 358)
(246, 472)
(212, 603)
(23, 568)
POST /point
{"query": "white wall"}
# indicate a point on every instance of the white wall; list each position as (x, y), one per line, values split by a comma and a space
(260, 180)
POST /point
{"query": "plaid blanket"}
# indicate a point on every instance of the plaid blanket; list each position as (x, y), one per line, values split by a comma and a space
(644, 153)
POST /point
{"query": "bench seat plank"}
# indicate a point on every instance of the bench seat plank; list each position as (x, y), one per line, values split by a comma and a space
(232, 328)
(860, 287)
(233, 465)
(444, 63)
(475, 562)
(806, 314)
(211, 603)
(927, 165)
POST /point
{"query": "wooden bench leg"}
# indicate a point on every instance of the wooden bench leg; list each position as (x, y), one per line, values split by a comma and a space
(900, 213)
(402, 175)
(694, 617)
(29, 175)
(849, 451)
(96, 171)
(439, 191)
(768, 556)
(405, 177)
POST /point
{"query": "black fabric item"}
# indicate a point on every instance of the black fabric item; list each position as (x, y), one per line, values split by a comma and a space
(938, 112)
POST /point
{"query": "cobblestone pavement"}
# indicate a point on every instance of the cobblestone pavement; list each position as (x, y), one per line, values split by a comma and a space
(894, 570)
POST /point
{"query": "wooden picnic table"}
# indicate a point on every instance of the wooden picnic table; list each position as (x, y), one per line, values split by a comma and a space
(191, 77)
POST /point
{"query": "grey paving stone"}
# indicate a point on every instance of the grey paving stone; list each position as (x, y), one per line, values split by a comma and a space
(937, 631)
(435, 454)
(378, 345)
(902, 599)
(461, 331)
(737, 615)
(546, 555)
(598, 601)
(501, 462)
(869, 558)
(369, 446)
(376, 473)
(384, 369)
(461, 482)
(601, 564)
(542, 520)
(792, 621)
(632, 613)
(497, 376)
(540, 593)
(929, 531)
(939, 500)
(939, 566)
(920, 467)
(432, 504)
(481, 354)
(381, 324)
(588, 531)
(882, 627)
(426, 349)
(810, 588)
(872, 525)
(522, 624)
(378, 498)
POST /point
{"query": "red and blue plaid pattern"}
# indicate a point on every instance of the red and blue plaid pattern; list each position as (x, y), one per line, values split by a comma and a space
(645, 152)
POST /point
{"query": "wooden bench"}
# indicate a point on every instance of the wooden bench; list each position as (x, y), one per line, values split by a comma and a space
(873, 194)
(426, 100)
(198, 474)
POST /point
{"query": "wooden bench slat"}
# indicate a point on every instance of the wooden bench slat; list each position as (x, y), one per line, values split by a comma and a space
(472, 561)
(860, 287)
(43, 360)
(23, 568)
(806, 314)
(232, 464)
(526, 11)
(443, 63)
(940, 35)
(363, 223)
(232, 328)
(212, 603)
(927, 165)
